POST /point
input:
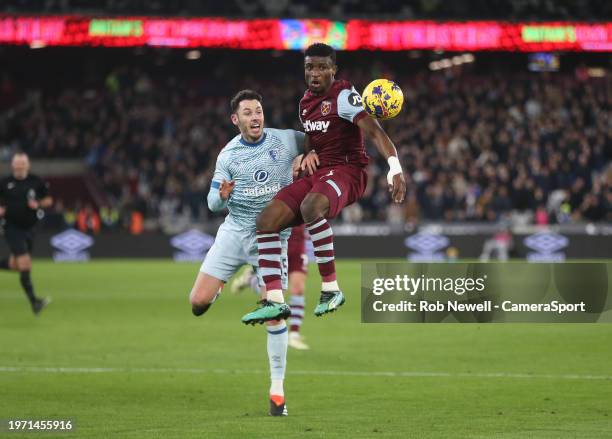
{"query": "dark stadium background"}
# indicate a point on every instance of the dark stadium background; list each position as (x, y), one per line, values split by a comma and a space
(135, 131)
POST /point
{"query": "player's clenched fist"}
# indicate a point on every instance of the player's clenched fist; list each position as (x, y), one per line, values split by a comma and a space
(226, 188)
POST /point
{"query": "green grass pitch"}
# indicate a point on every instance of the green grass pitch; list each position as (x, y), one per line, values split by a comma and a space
(137, 364)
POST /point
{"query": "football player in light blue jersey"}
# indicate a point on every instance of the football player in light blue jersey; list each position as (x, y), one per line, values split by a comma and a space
(250, 170)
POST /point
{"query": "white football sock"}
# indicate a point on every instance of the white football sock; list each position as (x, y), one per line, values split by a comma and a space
(278, 338)
(275, 296)
(330, 286)
(276, 388)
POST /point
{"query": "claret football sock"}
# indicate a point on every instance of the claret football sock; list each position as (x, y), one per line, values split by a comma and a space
(323, 242)
(269, 248)
(296, 303)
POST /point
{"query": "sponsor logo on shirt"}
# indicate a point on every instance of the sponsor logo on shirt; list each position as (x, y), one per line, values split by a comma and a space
(355, 99)
(262, 190)
(260, 176)
(319, 125)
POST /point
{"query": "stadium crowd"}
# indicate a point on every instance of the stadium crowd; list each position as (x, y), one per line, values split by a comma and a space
(340, 9)
(475, 146)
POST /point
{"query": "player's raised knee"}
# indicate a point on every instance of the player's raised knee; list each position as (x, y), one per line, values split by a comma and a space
(271, 219)
(201, 301)
(23, 263)
(264, 221)
(197, 300)
(313, 207)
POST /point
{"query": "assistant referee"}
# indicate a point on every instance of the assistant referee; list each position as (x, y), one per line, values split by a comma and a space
(22, 198)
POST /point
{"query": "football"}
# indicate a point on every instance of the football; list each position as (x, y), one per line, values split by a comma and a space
(382, 99)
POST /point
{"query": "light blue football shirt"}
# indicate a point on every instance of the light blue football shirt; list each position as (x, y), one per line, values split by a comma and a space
(259, 171)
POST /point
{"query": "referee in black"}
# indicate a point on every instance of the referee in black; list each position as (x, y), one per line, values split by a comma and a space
(22, 198)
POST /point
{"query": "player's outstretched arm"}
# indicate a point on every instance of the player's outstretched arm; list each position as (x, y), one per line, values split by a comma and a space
(222, 184)
(226, 189)
(219, 194)
(384, 145)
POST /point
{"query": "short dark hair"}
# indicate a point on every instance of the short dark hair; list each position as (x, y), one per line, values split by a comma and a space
(20, 152)
(244, 95)
(321, 49)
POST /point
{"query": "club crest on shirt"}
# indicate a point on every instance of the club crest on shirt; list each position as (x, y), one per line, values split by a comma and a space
(274, 153)
(325, 107)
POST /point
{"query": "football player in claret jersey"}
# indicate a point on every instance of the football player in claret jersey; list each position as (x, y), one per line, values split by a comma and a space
(334, 121)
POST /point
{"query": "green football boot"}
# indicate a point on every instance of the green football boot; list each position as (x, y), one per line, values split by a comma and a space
(329, 302)
(267, 311)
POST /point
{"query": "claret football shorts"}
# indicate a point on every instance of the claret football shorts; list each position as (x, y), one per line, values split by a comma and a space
(342, 185)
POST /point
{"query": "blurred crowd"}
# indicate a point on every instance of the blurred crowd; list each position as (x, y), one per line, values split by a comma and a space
(476, 146)
(525, 147)
(340, 9)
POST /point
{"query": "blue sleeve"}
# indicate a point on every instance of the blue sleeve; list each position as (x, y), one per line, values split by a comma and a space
(299, 141)
(215, 203)
(349, 104)
(293, 140)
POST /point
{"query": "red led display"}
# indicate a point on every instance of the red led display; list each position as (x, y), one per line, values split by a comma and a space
(480, 35)
(273, 34)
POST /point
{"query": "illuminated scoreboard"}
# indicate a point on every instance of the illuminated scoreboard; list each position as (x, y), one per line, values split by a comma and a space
(289, 34)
